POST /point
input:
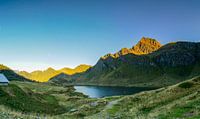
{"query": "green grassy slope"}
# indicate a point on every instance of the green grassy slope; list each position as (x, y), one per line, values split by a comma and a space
(28, 101)
(178, 101)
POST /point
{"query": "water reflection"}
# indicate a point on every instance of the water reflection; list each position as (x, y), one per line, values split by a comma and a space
(102, 91)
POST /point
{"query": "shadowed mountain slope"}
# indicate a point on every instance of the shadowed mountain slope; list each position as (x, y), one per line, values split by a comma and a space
(10, 74)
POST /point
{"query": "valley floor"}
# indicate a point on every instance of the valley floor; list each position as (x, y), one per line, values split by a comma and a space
(36, 100)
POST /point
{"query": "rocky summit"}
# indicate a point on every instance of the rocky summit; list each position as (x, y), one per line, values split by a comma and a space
(144, 46)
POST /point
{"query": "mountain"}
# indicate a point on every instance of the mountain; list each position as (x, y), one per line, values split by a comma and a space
(148, 64)
(10, 74)
(78, 69)
(40, 76)
(44, 76)
(144, 46)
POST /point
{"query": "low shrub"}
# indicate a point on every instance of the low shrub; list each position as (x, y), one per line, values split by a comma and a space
(186, 85)
(196, 79)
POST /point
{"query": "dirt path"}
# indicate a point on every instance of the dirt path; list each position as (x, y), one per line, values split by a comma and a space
(104, 114)
(111, 103)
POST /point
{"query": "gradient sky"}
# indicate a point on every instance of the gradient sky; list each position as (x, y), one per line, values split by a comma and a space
(36, 34)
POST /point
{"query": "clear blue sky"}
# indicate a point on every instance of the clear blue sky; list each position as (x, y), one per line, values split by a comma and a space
(36, 34)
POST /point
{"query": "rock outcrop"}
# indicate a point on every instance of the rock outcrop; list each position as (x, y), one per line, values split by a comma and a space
(144, 46)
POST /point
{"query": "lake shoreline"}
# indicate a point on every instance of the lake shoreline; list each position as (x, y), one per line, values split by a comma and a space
(107, 91)
(129, 86)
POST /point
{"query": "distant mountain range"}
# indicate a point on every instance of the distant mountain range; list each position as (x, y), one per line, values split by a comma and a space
(44, 76)
(147, 64)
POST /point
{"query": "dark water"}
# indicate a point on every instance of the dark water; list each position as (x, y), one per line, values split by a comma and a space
(103, 91)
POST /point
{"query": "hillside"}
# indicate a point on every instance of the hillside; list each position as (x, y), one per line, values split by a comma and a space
(151, 66)
(31, 98)
(47, 101)
(10, 74)
(44, 76)
(180, 101)
(78, 69)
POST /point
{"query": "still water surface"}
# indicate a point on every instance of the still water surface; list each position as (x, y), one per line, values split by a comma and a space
(103, 91)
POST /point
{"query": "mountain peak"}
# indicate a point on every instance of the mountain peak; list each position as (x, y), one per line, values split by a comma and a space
(82, 67)
(50, 69)
(144, 46)
(147, 39)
